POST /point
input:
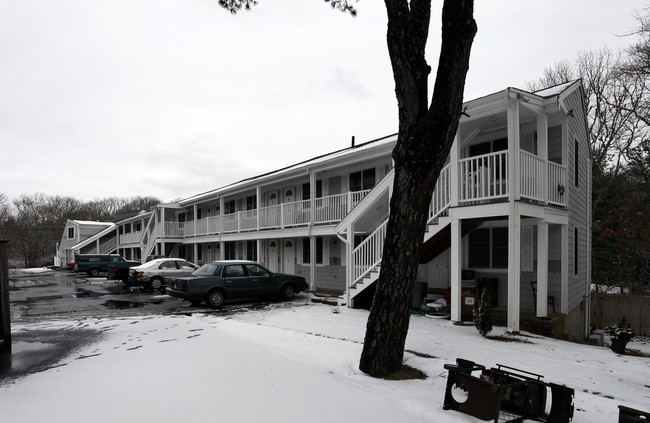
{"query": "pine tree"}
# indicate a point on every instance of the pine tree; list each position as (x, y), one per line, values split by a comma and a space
(481, 314)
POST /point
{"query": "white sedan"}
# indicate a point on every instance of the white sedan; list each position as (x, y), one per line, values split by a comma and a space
(153, 274)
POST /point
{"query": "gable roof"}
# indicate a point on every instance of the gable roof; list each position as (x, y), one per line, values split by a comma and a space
(554, 95)
(319, 160)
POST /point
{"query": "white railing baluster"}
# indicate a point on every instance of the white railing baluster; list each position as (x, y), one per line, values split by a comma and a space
(557, 184)
(368, 254)
(484, 177)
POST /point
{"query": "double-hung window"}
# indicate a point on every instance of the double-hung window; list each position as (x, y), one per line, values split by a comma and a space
(488, 248)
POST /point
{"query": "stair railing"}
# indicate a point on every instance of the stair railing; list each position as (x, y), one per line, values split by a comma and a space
(367, 255)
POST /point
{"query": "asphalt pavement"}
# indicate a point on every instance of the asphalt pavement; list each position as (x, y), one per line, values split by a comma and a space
(38, 298)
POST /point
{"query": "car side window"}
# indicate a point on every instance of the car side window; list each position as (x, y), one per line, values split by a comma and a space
(255, 270)
(184, 265)
(168, 265)
(233, 271)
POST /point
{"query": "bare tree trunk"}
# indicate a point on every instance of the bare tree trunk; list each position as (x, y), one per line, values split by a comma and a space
(426, 134)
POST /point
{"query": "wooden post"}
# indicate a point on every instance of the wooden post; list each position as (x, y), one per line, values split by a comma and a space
(5, 324)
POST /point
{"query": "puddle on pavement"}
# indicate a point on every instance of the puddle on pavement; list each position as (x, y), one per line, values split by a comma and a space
(106, 290)
(86, 293)
(38, 350)
(123, 304)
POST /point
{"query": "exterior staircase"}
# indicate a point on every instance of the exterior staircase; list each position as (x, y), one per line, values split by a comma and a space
(433, 241)
(366, 257)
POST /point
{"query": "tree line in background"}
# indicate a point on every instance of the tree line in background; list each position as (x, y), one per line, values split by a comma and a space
(618, 118)
(33, 224)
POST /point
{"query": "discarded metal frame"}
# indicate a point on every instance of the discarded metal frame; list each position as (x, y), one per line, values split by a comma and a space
(505, 394)
(631, 415)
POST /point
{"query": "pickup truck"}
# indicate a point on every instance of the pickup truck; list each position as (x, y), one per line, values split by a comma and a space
(93, 264)
(120, 270)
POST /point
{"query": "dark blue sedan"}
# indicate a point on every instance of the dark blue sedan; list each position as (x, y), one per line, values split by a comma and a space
(219, 281)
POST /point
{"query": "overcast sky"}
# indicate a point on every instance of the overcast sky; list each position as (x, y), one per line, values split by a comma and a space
(171, 98)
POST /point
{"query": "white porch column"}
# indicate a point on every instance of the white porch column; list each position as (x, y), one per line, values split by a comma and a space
(514, 267)
(564, 295)
(312, 196)
(514, 219)
(222, 212)
(349, 264)
(258, 194)
(542, 269)
(514, 179)
(455, 268)
(195, 252)
(194, 221)
(454, 156)
(312, 262)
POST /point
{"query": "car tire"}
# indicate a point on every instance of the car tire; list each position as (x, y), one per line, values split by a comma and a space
(215, 298)
(287, 292)
(93, 272)
(156, 283)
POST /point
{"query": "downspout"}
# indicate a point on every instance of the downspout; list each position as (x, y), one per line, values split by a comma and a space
(587, 328)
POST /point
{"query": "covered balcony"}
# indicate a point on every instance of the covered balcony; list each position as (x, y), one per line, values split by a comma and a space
(326, 210)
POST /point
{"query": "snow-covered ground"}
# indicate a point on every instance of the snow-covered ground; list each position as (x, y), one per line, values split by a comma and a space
(292, 362)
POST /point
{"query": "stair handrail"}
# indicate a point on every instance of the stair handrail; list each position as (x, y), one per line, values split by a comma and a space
(108, 245)
(367, 255)
(441, 197)
(148, 236)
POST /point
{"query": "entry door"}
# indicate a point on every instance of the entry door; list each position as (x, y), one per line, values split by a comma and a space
(272, 217)
(288, 259)
(288, 195)
(273, 256)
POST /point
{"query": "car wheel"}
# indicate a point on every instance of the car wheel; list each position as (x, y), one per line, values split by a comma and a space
(215, 298)
(156, 283)
(93, 272)
(287, 292)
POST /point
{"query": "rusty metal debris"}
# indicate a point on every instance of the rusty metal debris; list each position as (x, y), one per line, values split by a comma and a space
(505, 394)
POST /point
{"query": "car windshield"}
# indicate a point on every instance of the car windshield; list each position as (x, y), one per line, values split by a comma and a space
(206, 270)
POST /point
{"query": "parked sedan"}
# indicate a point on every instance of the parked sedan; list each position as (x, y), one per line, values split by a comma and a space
(154, 273)
(219, 281)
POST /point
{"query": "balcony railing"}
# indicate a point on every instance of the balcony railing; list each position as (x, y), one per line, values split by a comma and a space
(131, 238)
(556, 184)
(485, 178)
(327, 210)
(480, 179)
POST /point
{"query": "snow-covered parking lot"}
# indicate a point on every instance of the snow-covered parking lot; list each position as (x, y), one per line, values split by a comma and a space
(290, 362)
